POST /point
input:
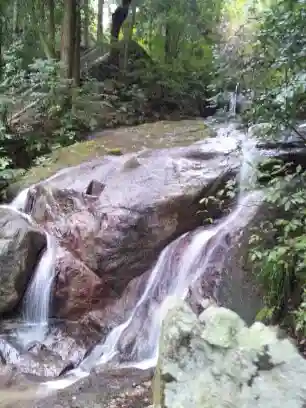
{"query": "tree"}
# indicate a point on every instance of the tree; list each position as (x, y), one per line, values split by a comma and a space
(118, 18)
(100, 21)
(77, 43)
(85, 31)
(70, 37)
(51, 26)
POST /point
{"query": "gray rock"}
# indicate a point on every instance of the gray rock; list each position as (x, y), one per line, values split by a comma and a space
(216, 361)
(108, 239)
(21, 244)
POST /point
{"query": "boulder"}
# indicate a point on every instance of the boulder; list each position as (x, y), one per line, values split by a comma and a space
(21, 244)
(130, 139)
(216, 361)
(39, 361)
(148, 199)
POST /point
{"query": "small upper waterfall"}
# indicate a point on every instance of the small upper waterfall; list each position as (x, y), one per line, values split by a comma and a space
(233, 101)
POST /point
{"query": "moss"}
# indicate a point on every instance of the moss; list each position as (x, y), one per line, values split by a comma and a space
(119, 141)
(115, 152)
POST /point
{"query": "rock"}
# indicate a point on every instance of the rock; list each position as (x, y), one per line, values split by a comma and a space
(15, 387)
(131, 139)
(217, 361)
(77, 290)
(116, 388)
(109, 239)
(21, 244)
(95, 188)
(39, 361)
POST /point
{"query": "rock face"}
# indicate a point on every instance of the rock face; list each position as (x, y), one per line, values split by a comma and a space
(216, 361)
(147, 200)
(21, 245)
(163, 134)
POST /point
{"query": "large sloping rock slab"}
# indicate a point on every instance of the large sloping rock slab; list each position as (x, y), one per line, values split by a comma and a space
(21, 244)
(162, 134)
(216, 361)
(146, 200)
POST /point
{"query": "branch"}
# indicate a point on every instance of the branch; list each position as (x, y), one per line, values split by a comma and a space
(298, 133)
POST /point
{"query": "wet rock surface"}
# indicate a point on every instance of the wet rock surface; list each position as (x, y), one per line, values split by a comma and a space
(162, 134)
(63, 348)
(124, 388)
(111, 238)
(112, 217)
(21, 245)
(217, 361)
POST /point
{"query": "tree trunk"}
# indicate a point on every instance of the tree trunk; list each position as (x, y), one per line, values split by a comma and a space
(85, 30)
(118, 18)
(77, 43)
(38, 22)
(15, 18)
(133, 20)
(100, 21)
(128, 35)
(167, 43)
(1, 41)
(51, 27)
(68, 36)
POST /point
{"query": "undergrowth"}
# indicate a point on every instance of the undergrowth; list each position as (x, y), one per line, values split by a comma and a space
(278, 247)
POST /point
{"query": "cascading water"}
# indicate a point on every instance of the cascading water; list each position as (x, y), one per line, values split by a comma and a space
(180, 265)
(170, 277)
(233, 101)
(163, 283)
(20, 200)
(35, 310)
(36, 301)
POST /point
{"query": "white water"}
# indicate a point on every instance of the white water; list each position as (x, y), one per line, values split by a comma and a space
(188, 270)
(233, 101)
(169, 277)
(36, 302)
(174, 278)
(150, 308)
(20, 200)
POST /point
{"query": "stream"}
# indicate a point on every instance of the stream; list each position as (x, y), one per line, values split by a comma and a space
(134, 341)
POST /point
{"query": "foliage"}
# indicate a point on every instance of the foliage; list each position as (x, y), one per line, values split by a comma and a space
(178, 36)
(300, 315)
(220, 202)
(50, 92)
(277, 65)
(279, 257)
(266, 52)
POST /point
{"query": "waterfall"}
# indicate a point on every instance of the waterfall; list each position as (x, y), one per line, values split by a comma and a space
(164, 282)
(36, 301)
(35, 306)
(251, 157)
(173, 277)
(233, 101)
(178, 269)
(20, 200)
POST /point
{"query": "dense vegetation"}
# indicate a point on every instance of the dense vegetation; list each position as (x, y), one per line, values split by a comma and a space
(63, 73)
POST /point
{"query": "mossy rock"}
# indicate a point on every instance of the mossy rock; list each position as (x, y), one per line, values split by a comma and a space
(114, 152)
(163, 134)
